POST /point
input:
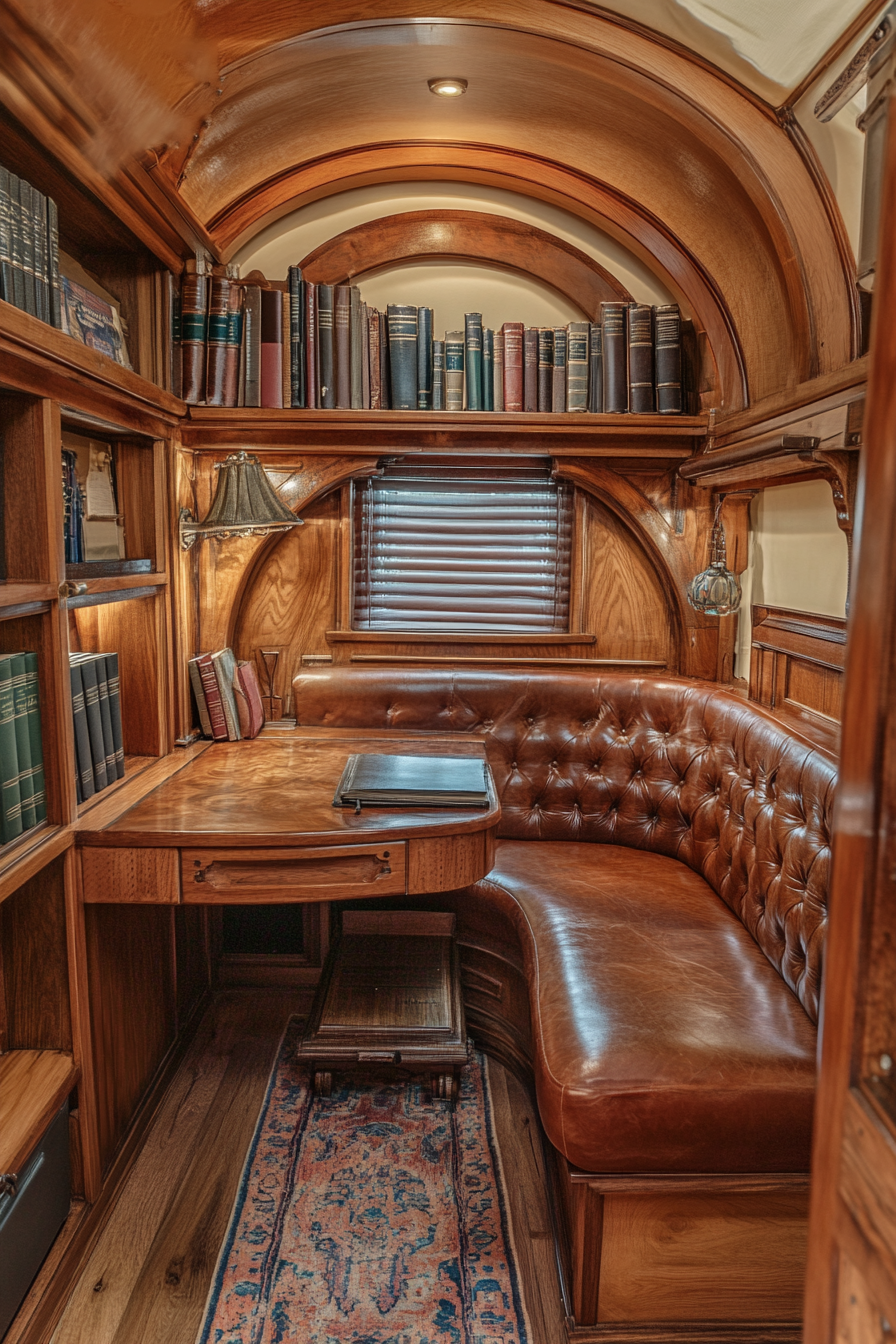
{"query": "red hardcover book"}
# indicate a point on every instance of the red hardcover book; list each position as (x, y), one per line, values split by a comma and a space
(212, 694)
(513, 365)
(272, 348)
(374, 336)
(247, 694)
(312, 397)
(216, 341)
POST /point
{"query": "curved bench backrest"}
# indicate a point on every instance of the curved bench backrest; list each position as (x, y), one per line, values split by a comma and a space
(674, 766)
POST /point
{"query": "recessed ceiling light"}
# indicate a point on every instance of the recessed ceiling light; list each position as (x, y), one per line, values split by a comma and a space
(448, 88)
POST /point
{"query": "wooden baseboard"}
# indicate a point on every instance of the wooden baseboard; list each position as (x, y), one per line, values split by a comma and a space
(673, 1332)
(39, 1314)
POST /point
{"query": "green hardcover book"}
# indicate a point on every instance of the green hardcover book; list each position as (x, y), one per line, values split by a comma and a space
(454, 370)
(35, 740)
(473, 359)
(23, 740)
(83, 759)
(10, 795)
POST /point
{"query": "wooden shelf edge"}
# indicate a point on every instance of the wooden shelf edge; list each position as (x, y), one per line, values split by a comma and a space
(127, 792)
(23, 592)
(527, 637)
(133, 766)
(561, 422)
(43, 345)
(843, 384)
(119, 583)
(22, 858)
(33, 1085)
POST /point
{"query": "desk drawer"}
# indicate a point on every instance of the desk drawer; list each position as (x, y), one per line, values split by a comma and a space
(332, 872)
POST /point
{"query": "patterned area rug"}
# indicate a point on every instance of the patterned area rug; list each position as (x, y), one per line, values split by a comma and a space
(373, 1216)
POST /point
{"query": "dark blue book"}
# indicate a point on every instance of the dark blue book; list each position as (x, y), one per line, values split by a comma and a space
(424, 359)
(488, 369)
(296, 337)
(325, 347)
(596, 371)
(402, 318)
(545, 368)
(473, 357)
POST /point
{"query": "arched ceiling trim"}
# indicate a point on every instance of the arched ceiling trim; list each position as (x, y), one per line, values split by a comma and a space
(467, 235)
(623, 219)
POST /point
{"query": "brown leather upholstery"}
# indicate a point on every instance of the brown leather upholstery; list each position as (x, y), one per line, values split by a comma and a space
(664, 1039)
(669, 765)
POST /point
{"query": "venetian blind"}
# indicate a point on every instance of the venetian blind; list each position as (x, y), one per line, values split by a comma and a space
(452, 546)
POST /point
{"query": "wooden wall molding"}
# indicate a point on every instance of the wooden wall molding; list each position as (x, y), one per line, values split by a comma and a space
(796, 666)
(466, 235)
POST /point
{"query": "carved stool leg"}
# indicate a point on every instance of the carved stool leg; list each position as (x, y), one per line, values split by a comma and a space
(323, 1082)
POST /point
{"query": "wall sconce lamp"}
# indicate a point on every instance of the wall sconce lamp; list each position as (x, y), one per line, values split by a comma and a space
(245, 504)
(715, 591)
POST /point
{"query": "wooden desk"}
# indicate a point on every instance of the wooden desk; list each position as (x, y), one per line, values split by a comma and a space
(245, 822)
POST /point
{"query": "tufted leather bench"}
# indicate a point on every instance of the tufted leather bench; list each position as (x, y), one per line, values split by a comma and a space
(664, 858)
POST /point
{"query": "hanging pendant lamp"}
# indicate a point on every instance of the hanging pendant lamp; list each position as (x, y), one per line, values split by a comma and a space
(715, 591)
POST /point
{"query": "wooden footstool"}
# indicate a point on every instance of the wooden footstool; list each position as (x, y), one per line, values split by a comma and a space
(389, 995)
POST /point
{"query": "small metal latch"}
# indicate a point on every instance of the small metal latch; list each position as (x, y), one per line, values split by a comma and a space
(71, 588)
(199, 875)
(9, 1183)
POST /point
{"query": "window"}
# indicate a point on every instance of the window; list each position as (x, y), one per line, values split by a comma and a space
(453, 545)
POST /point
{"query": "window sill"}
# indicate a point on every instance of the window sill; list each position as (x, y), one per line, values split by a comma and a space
(527, 637)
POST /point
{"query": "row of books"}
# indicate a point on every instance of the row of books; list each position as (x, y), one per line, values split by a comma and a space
(320, 346)
(96, 709)
(23, 799)
(228, 697)
(30, 276)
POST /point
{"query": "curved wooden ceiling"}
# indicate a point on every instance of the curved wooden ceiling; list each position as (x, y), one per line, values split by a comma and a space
(566, 103)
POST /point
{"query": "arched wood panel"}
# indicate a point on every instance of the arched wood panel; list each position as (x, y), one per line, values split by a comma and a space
(466, 235)
(624, 601)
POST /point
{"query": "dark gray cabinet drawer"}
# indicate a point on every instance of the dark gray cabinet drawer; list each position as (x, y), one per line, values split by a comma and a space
(31, 1218)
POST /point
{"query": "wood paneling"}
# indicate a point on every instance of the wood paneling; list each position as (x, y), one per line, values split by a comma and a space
(797, 662)
(263, 876)
(33, 948)
(623, 599)
(448, 863)
(192, 960)
(693, 1257)
(33, 1085)
(134, 876)
(131, 978)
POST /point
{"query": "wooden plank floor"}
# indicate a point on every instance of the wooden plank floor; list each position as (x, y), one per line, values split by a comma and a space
(147, 1278)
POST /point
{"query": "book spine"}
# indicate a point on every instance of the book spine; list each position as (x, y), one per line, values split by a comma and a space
(41, 255)
(668, 359)
(545, 367)
(212, 698)
(473, 360)
(216, 340)
(17, 240)
(285, 349)
(498, 373)
(194, 328)
(385, 364)
(438, 376)
(488, 369)
(424, 359)
(53, 280)
(102, 689)
(342, 345)
(27, 217)
(23, 741)
(296, 337)
(83, 760)
(577, 366)
(94, 722)
(402, 319)
(373, 341)
(252, 341)
(454, 370)
(7, 287)
(205, 722)
(249, 706)
(10, 793)
(640, 359)
(327, 393)
(233, 348)
(113, 684)
(558, 378)
(612, 321)
(530, 369)
(596, 370)
(365, 357)
(513, 366)
(225, 671)
(175, 332)
(271, 363)
(356, 379)
(35, 739)
(312, 394)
